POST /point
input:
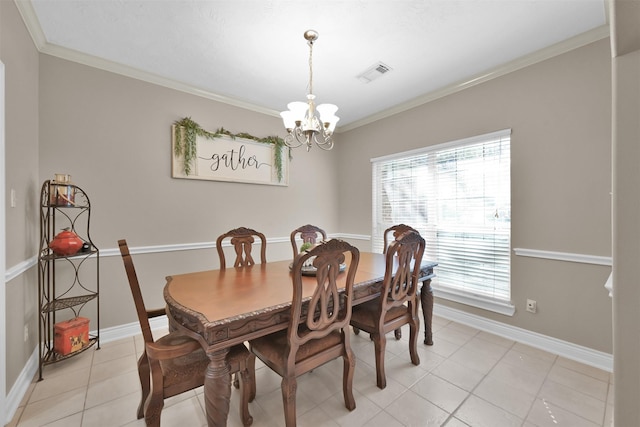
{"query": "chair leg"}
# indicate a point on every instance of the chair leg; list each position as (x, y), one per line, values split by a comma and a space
(152, 419)
(349, 364)
(236, 380)
(289, 385)
(380, 344)
(414, 326)
(426, 300)
(144, 374)
(398, 333)
(155, 402)
(244, 378)
(251, 367)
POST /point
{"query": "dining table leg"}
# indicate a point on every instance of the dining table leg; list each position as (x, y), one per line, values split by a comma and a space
(217, 389)
(426, 299)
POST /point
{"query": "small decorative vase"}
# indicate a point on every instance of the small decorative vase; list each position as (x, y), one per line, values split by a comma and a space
(66, 243)
(61, 192)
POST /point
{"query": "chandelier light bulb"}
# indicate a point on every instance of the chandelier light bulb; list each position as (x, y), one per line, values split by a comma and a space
(298, 110)
(288, 120)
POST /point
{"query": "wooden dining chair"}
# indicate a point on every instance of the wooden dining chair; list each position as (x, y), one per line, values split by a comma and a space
(308, 234)
(242, 240)
(318, 329)
(426, 293)
(398, 302)
(175, 363)
(396, 230)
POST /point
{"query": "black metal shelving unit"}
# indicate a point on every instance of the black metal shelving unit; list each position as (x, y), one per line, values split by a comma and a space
(61, 284)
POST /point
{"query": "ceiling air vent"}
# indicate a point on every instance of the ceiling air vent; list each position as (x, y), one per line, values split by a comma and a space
(373, 72)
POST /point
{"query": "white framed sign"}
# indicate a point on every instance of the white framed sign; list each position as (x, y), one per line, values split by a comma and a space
(232, 159)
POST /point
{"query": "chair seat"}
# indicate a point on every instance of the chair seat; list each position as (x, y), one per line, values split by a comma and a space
(365, 316)
(194, 364)
(175, 339)
(271, 348)
(179, 369)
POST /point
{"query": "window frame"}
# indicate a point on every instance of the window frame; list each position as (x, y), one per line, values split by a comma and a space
(496, 304)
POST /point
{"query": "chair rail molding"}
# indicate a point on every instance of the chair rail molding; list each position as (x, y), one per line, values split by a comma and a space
(25, 265)
(20, 268)
(564, 256)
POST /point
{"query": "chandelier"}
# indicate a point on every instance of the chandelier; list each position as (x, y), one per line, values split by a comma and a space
(306, 123)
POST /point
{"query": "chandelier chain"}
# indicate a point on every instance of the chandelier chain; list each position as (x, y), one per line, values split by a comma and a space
(310, 67)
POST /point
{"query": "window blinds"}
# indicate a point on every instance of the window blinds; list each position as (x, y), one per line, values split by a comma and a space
(458, 195)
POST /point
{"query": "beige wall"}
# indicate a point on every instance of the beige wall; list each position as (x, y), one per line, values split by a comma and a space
(625, 18)
(112, 134)
(559, 112)
(20, 58)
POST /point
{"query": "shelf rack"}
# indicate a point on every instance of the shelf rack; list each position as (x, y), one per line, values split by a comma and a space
(61, 284)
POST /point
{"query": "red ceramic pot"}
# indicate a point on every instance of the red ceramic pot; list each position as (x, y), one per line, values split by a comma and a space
(66, 243)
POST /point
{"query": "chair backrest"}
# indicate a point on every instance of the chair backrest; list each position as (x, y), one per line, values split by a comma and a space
(404, 255)
(309, 234)
(242, 239)
(135, 291)
(330, 307)
(397, 230)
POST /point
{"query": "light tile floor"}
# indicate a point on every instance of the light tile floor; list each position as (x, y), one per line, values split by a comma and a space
(467, 378)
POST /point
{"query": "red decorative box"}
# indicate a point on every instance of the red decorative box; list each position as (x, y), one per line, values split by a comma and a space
(71, 335)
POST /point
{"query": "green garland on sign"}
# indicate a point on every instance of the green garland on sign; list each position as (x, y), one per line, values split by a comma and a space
(185, 142)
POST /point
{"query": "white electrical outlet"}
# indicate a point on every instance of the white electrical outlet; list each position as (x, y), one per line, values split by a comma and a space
(532, 306)
(26, 332)
(13, 198)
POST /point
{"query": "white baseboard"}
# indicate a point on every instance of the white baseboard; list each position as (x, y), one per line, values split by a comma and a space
(566, 349)
(30, 370)
(130, 329)
(20, 387)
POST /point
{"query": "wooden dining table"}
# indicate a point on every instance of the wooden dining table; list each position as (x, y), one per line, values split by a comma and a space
(221, 308)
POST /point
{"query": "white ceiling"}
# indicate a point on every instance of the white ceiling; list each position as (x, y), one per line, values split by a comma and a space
(253, 54)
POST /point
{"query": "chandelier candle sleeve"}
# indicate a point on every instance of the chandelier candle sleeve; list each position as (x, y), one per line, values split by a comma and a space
(305, 126)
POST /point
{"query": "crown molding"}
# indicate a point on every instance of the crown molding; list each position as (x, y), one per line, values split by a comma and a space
(25, 8)
(33, 26)
(35, 30)
(127, 71)
(525, 61)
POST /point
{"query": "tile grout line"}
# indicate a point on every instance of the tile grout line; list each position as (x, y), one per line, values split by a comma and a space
(537, 394)
(469, 392)
(86, 392)
(555, 362)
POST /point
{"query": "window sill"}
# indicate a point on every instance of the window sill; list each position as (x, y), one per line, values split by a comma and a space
(505, 308)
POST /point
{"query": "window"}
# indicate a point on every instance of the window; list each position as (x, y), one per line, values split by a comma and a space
(458, 195)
